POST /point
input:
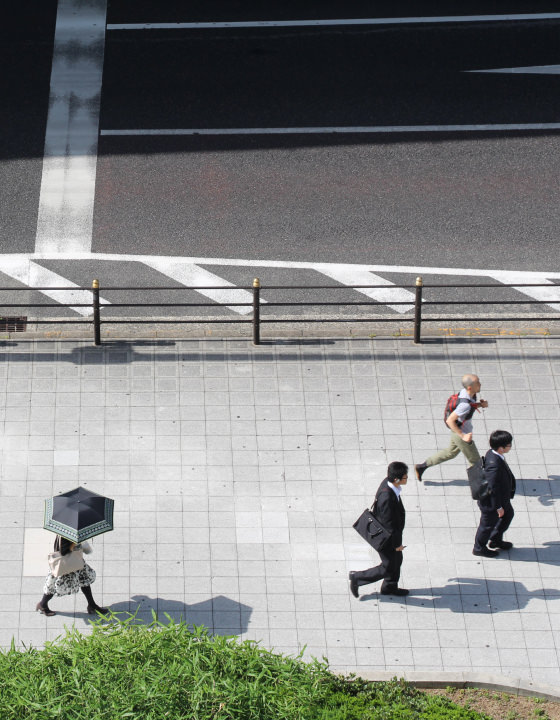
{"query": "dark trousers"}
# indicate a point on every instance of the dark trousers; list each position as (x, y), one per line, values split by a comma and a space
(389, 570)
(492, 527)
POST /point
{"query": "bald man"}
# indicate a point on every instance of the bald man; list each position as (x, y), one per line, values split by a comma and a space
(460, 424)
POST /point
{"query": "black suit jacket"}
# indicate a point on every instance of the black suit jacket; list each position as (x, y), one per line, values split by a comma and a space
(391, 513)
(500, 481)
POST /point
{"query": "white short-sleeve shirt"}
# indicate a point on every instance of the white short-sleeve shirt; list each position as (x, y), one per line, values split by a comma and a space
(463, 410)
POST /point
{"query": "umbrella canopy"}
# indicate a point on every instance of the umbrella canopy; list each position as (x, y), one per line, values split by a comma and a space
(79, 514)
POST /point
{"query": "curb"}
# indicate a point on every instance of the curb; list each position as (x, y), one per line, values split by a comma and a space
(288, 333)
(498, 683)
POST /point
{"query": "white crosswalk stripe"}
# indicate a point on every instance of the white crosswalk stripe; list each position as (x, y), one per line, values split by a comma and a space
(549, 294)
(29, 273)
(352, 276)
(191, 275)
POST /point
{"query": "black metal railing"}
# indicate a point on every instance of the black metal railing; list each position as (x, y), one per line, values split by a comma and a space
(256, 304)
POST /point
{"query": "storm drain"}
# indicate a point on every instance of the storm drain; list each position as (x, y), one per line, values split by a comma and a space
(13, 324)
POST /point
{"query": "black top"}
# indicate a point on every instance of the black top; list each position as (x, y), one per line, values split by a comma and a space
(390, 512)
(501, 482)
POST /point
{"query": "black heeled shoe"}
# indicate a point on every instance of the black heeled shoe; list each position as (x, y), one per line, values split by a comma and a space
(45, 610)
(94, 609)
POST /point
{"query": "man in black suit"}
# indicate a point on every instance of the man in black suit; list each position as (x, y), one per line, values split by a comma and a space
(496, 511)
(389, 510)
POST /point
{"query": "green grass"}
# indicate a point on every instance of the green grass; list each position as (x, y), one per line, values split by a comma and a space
(171, 671)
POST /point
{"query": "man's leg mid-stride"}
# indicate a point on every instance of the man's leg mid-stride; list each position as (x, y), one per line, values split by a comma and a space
(456, 445)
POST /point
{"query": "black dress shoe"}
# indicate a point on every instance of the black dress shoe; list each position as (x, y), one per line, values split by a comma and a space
(45, 610)
(420, 469)
(94, 609)
(394, 591)
(500, 544)
(353, 584)
(485, 552)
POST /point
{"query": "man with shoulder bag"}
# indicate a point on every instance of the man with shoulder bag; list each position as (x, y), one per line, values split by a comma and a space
(496, 510)
(390, 513)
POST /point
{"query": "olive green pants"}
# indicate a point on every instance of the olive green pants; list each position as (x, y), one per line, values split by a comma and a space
(456, 445)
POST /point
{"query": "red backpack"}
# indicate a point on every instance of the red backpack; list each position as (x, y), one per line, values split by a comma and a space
(451, 405)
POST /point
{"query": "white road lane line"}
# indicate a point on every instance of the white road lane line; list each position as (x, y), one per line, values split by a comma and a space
(352, 277)
(29, 273)
(191, 275)
(69, 166)
(529, 70)
(551, 294)
(296, 264)
(424, 20)
(347, 130)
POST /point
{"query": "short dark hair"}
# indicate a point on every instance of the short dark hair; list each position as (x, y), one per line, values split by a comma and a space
(500, 438)
(397, 470)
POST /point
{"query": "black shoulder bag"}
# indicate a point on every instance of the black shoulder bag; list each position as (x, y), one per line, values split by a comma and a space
(478, 481)
(369, 527)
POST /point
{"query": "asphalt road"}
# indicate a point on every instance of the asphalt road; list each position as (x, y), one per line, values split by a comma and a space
(26, 38)
(127, 11)
(465, 199)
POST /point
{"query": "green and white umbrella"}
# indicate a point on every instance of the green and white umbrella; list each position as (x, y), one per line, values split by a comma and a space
(79, 514)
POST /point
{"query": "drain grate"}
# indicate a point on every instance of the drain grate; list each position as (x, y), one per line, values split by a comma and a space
(13, 324)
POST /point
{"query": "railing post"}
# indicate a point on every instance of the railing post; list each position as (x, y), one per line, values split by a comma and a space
(96, 317)
(418, 311)
(256, 311)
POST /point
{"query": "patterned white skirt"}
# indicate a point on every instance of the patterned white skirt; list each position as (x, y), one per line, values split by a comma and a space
(70, 583)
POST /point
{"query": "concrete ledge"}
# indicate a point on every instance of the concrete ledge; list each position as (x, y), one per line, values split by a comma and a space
(498, 683)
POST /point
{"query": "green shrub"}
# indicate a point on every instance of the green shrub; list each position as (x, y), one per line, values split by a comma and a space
(126, 671)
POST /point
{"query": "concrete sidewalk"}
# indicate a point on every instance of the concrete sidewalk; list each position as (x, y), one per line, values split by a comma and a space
(237, 473)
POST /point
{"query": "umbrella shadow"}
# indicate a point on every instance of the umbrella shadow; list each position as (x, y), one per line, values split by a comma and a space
(220, 614)
(471, 595)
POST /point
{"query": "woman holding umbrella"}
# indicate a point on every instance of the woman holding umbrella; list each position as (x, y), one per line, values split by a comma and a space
(70, 582)
(74, 516)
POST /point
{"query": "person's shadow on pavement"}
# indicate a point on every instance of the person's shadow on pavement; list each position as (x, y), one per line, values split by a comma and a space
(543, 489)
(458, 482)
(549, 554)
(471, 595)
(220, 614)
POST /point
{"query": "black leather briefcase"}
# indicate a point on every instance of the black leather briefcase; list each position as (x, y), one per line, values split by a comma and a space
(477, 480)
(373, 532)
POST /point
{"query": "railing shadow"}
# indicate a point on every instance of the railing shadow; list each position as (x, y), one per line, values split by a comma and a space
(379, 349)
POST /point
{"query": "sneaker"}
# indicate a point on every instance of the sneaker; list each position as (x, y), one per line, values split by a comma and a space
(353, 584)
(485, 552)
(420, 469)
(500, 544)
(394, 591)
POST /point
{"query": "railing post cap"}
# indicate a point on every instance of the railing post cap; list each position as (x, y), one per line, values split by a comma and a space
(95, 285)
(419, 281)
(256, 283)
